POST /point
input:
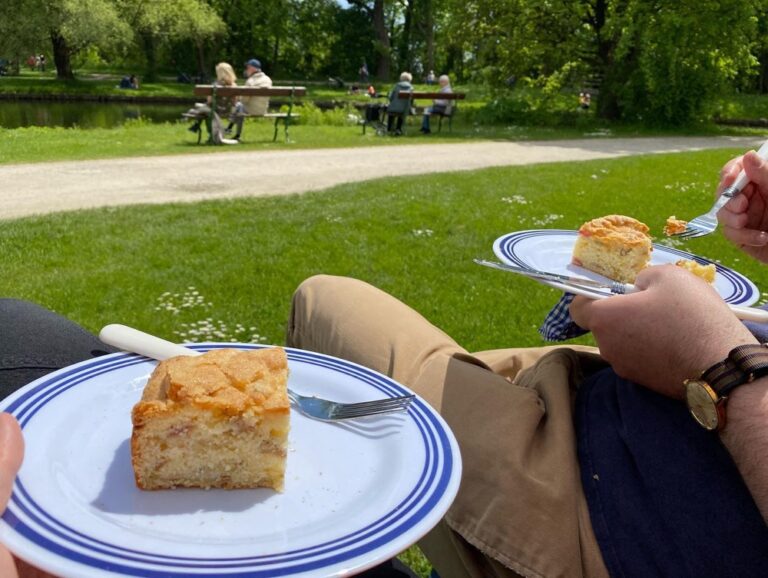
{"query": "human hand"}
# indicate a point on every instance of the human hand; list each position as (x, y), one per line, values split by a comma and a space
(11, 454)
(672, 330)
(745, 217)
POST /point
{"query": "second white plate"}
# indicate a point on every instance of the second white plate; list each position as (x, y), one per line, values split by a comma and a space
(551, 250)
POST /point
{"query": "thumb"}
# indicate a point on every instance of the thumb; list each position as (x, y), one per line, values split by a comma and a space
(756, 169)
(11, 455)
(581, 311)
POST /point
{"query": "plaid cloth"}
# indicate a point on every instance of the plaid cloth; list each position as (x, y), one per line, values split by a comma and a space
(558, 325)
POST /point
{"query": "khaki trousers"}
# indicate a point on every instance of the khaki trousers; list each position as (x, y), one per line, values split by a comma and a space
(520, 510)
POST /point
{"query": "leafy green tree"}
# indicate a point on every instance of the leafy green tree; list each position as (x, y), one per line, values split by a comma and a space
(160, 23)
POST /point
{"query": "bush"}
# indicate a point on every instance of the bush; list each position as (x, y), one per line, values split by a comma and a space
(310, 114)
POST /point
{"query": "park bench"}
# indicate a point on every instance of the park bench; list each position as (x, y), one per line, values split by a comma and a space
(454, 96)
(215, 92)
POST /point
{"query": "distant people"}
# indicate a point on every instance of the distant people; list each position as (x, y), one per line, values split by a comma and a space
(363, 73)
(585, 100)
(399, 107)
(354, 89)
(371, 91)
(225, 105)
(439, 105)
(42, 63)
(251, 105)
(32, 62)
(431, 77)
(129, 82)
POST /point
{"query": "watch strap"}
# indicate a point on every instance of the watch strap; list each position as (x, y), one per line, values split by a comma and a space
(724, 376)
(752, 361)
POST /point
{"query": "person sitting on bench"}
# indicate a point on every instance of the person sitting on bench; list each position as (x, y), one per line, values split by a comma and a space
(251, 105)
(439, 105)
(398, 107)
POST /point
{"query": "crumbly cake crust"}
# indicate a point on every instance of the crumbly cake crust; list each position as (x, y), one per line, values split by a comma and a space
(615, 246)
(706, 272)
(216, 420)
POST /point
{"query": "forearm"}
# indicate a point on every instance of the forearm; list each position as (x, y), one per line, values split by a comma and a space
(746, 437)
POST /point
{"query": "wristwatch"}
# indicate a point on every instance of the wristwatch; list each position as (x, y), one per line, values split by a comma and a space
(707, 396)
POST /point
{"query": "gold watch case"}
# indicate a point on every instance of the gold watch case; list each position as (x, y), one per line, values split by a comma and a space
(704, 404)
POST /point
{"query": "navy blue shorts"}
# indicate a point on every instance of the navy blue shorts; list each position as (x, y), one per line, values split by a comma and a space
(665, 498)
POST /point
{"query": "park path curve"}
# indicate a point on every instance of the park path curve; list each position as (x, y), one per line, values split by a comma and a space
(40, 188)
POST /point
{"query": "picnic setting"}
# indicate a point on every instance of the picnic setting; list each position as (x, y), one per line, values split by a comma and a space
(388, 289)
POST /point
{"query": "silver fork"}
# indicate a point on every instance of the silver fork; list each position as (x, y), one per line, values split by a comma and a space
(130, 339)
(327, 410)
(707, 223)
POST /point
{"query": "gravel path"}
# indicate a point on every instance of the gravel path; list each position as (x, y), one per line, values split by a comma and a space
(29, 189)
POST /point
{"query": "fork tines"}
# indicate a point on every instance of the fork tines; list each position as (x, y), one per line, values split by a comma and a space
(352, 410)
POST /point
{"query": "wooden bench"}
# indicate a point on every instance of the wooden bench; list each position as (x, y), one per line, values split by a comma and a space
(213, 91)
(455, 96)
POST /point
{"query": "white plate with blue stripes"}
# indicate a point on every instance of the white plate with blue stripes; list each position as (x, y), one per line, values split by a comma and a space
(551, 250)
(356, 493)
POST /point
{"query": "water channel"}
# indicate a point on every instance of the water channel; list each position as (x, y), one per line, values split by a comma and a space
(84, 114)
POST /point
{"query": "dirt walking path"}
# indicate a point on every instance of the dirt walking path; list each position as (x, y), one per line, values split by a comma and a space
(39, 188)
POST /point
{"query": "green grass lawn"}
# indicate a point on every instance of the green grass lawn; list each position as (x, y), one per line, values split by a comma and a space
(140, 138)
(414, 237)
(226, 270)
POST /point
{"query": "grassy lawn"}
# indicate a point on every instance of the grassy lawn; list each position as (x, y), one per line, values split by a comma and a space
(414, 237)
(140, 138)
(226, 270)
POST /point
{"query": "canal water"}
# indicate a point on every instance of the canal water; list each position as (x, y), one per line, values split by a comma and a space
(16, 113)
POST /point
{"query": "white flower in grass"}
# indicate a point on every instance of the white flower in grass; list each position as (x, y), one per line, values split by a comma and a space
(423, 232)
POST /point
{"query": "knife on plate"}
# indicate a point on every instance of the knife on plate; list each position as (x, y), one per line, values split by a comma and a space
(615, 287)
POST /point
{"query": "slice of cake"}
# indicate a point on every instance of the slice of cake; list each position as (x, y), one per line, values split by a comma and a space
(218, 420)
(706, 272)
(674, 226)
(615, 246)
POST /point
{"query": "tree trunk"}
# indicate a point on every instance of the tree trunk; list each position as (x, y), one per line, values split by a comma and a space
(62, 56)
(404, 55)
(275, 57)
(148, 43)
(429, 20)
(201, 67)
(383, 47)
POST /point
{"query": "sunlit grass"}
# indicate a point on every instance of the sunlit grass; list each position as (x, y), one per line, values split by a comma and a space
(227, 269)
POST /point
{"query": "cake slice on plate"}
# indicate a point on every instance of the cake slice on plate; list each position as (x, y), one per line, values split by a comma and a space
(615, 246)
(218, 420)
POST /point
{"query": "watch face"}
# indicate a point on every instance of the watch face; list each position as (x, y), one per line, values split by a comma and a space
(702, 402)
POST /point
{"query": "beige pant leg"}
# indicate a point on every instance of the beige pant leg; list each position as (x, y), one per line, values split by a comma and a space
(355, 321)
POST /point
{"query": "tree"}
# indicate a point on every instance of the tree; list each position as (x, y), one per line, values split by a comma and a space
(659, 61)
(156, 23)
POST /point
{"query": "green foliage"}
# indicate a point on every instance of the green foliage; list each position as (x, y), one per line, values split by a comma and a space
(311, 114)
(661, 62)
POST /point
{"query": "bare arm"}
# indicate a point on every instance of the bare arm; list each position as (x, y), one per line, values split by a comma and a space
(746, 437)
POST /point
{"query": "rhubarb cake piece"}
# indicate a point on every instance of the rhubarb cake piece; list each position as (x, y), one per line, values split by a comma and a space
(615, 246)
(674, 226)
(218, 420)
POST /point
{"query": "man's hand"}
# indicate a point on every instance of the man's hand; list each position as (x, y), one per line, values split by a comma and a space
(672, 330)
(745, 217)
(11, 454)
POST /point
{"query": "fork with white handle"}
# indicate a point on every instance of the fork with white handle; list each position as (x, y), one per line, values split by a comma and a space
(133, 340)
(707, 223)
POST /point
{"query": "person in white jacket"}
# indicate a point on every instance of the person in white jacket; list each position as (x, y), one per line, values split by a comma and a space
(251, 105)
